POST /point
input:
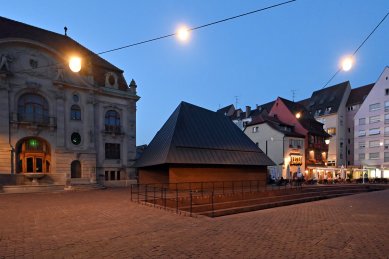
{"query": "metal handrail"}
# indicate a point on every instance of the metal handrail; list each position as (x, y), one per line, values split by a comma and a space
(170, 195)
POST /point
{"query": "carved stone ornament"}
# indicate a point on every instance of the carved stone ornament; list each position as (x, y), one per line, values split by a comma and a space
(60, 73)
(4, 62)
(33, 86)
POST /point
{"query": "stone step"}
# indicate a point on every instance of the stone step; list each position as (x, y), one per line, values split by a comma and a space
(31, 188)
(84, 187)
(260, 200)
(235, 210)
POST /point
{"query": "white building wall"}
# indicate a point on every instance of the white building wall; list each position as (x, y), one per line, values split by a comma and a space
(276, 145)
(372, 155)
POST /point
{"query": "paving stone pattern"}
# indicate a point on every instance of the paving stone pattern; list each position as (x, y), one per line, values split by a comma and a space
(105, 223)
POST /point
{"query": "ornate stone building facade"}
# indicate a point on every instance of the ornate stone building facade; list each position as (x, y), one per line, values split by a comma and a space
(55, 122)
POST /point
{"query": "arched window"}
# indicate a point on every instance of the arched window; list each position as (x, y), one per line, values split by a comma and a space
(112, 121)
(33, 108)
(75, 112)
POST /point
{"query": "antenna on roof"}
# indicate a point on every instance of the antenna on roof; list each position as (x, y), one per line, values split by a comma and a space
(293, 94)
(66, 30)
(236, 101)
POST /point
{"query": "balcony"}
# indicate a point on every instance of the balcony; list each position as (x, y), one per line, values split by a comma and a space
(33, 119)
(317, 146)
(113, 130)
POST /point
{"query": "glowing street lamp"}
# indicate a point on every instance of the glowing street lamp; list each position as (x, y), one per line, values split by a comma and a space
(347, 63)
(298, 115)
(75, 64)
(183, 33)
(327, 141)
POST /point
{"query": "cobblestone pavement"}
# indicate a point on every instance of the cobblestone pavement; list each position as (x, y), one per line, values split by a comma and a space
(105, 223)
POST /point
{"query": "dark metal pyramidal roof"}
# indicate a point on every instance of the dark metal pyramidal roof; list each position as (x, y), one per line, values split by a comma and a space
(194, 135)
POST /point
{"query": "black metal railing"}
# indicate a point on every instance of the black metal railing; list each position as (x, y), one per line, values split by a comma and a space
(33, 118)
(184, 196)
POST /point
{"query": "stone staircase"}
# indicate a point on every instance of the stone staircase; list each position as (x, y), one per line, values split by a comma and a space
(80, 184)
(238, 203)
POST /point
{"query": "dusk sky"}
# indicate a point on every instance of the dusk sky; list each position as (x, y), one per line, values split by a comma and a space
(257, 57)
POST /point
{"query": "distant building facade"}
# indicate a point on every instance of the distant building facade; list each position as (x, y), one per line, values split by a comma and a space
(354, 102)
(328, 106)
(371, 130)
(67, 126)
(304, 123)
(243, 118)
(280, 143)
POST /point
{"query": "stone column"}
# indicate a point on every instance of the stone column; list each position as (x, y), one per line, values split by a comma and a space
(60, 114)
(6, 165)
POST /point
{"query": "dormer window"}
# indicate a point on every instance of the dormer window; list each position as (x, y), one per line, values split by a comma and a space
(111, 80)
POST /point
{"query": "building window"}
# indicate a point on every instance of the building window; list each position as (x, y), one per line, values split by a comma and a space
(374, 143)
(112, 151)
(331, 131)
(362, 144)
(348, 141)
(375, 155)
(387, 106)
(374, 107)
(112, 121)
(362, 121)
(374, 131)
(75, 138)
(112, 175)
(386, 131)
(255, 129)
(76, 98)
(387, 91)
(361, 156)
(386, 118)
(386, 143)
(311, 155)
(75, 112)
(33, 108)
(386, 156)
(361, 133)
(295, 143)
(328, 110)
(374, 119)
(349, 130)
(341, 144)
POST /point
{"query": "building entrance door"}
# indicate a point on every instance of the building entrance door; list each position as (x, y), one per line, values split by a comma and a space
(33, 156)
(34, 164)
(75, 169)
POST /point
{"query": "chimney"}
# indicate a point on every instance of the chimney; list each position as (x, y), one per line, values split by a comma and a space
(248, 110)
(238, 113)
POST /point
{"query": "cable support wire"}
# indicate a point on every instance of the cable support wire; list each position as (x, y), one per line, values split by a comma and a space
(359, 47)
